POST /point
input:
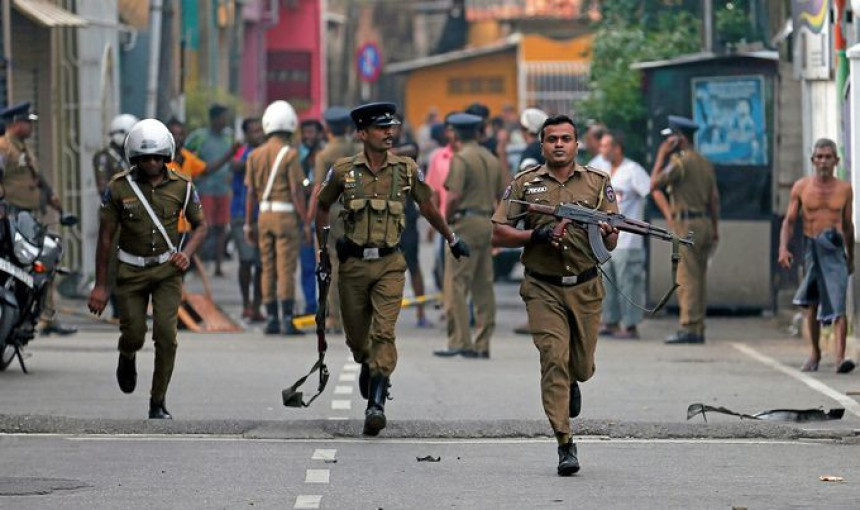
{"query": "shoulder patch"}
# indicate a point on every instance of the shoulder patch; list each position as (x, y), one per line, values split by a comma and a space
(609, 192)
(507, 194)
(106, 196)
(420, 175)
(329, 175)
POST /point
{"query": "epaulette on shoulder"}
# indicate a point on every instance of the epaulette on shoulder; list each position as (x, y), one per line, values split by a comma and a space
(526, 171)
(181, 176)
(344, 162)
(603, 173)
(120, 175)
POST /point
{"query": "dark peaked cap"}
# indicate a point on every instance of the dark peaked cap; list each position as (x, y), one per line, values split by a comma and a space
(374, 114)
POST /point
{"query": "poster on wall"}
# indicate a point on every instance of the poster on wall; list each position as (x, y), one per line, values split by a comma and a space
(812, 46)
(731, 114)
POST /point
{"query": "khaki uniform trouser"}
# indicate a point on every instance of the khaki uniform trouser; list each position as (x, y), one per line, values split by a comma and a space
(337, 231)
(134, 288)
(473, 276)
(564, 322)
(370, 295)
(692, 274)
(279, 252)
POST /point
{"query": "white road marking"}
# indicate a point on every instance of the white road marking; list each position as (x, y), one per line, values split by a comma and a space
(351, 367)
(347, 377)
(324, 454)
(851, 405)
(343, 390)
(317, 476)
(337, 418)
(307, 502)
(341, 405)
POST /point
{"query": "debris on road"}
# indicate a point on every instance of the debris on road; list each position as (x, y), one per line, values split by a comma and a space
(428, 458)
(831, 478)
(796, 415)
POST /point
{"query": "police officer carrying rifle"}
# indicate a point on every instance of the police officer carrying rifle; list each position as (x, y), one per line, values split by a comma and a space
(145, 203)
(372, 187)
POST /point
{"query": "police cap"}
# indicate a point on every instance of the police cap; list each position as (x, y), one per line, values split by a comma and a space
(374, 114)
(464, 121)
(21, 111)
(478, 109)
(678, 124)
(336, 115)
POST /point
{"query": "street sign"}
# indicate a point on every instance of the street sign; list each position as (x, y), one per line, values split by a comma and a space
(369, 62)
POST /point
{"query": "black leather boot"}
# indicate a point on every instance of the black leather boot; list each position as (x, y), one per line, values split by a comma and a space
(126, 374)
(157, 411)
(568, 464)
(374, 416)
(290, 329)
(575, 399)
(273, 324)
(364, 381)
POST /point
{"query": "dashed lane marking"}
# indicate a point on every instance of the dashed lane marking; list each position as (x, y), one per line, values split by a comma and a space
(341, 405)
(343, 390)
(347, 377)
(324, 454)
(305, 502)
(337, 418)
(850, 404)
(317, 476)
(351, 367)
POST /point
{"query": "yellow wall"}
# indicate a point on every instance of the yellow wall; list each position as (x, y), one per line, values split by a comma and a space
(537, 48)
(482, 33)
(429, 87)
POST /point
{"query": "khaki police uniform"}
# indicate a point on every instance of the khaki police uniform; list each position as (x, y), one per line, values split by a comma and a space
(144, 271)
(21, 180)
(371, 265)
(561, 290)
(278, 223)
(476, 174)
(337, 147)
(106, 163)
(690, 183)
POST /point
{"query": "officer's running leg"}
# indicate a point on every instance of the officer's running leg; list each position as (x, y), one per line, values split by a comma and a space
(166, 298)
(356, 313)
(385, 296)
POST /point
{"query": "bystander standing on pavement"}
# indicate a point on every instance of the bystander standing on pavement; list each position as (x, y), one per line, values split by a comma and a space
(210, 144)
(626, 268)
(561, 290)
(250, 267)
(693, 206)
(825, 204)
(151, 254)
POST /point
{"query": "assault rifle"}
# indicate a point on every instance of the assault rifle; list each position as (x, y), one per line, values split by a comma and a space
(591, 220)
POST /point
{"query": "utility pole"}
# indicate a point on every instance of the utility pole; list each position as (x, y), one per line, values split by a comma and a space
(155, 11)
(708, 13)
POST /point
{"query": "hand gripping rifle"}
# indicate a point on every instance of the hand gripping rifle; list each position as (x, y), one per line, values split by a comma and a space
(291, 396)
(591, 220)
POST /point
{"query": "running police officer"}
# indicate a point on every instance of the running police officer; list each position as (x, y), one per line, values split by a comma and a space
(561, 290)
(372, 187)
(273, 179)
(145, 203)
(693, 206)
(339, 145)
(474, 186)
(25, 187)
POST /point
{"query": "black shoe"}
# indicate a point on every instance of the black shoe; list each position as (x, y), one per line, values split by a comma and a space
(575, 400)
(364, 381)
(273, 324)
(374, 416)
(450, 353)
(290, 329)
(568, 464)
(475, 354)
(126, 374)
(157, 411)
(683, 337)
(57, 328)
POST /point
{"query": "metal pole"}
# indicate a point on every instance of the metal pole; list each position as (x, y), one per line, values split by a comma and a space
(155, 12)
(708, 14)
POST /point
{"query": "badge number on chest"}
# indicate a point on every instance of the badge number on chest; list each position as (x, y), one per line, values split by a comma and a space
(532, 190)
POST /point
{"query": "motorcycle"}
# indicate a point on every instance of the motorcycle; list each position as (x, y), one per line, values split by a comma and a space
(29, 261)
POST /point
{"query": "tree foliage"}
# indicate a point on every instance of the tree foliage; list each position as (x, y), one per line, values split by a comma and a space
(626, 35)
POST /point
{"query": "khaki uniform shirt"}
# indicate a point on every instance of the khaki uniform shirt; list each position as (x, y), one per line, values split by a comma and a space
(259, 167)
(21, 180)
(585, 186)
(138, 234)
(107, 163)
(477, 175)
(690, 182)
(374, 210)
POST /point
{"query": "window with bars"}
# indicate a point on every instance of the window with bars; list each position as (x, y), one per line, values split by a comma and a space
(554, 87)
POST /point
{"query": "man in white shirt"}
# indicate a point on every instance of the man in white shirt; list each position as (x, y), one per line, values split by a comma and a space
(626, 268)
(593, 136)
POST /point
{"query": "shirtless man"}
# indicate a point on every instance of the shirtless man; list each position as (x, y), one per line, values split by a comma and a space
(828, 230)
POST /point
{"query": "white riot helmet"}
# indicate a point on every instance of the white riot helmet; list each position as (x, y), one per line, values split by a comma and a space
(532, 119)
(120, 126)
(149, 137)
(280, 116)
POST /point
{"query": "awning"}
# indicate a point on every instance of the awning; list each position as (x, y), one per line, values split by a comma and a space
(47, 14)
